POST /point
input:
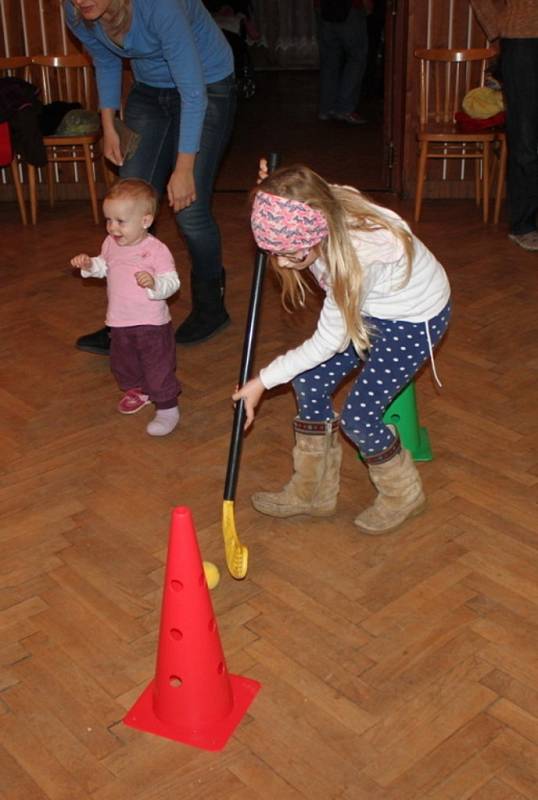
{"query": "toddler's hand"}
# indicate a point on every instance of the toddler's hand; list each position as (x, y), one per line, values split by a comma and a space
(145, 280)
(81, 261)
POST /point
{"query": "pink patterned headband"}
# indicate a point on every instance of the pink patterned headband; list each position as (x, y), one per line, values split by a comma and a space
(281, 225)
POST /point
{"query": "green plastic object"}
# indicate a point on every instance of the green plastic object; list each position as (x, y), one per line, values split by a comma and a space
(403, 413)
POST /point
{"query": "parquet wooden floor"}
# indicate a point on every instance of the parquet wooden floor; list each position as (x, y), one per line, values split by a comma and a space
(397, 668)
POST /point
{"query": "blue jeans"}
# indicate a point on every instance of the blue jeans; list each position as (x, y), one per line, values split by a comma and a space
(519, 59)
(343, 51)
(398, 350)
(156, 114)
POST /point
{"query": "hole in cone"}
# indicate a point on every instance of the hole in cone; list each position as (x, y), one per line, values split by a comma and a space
(212, 626)
(175, 681)
(201, 579)
(220, 668)
(177, 586)
(176, 634)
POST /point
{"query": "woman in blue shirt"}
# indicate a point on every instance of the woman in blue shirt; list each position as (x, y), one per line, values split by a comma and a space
(182, 103)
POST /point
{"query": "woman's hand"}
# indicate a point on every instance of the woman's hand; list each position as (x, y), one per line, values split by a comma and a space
(111, 147)
(111, 140)
(81, 261)
(181, 190)
(145, 280)
(251, 394)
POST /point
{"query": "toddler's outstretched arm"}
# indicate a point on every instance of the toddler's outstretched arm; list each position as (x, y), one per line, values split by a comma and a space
(251, 394)
(95, 267)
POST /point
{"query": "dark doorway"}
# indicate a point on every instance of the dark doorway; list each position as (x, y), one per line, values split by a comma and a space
(282, 116)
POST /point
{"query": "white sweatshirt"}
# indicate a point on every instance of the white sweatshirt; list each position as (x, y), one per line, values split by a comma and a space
(384, 265)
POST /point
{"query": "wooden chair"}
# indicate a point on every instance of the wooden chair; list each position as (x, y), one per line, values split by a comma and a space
(68, 78)
(17, 67)
(446, 75)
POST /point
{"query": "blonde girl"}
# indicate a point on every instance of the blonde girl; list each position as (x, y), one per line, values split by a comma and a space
(387, 304)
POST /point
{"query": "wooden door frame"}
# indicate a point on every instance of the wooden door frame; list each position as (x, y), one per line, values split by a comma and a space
(395, 82)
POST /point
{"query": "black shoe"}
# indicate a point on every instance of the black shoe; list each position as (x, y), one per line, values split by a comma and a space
(97, 342)
(208, 315)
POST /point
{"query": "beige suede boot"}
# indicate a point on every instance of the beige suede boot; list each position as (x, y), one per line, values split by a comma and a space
(400, 492)
(314, 486)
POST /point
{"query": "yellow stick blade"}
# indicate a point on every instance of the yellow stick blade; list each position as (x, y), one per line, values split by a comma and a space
(236, 553)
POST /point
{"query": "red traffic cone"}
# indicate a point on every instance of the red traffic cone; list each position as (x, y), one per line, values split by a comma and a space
(193, 699)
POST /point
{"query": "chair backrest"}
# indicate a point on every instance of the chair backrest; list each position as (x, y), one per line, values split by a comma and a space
(446, 75)
(15, 67)
(66, 77)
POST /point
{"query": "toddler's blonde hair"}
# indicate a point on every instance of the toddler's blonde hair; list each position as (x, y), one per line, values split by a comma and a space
(135, 189)
(346, 210)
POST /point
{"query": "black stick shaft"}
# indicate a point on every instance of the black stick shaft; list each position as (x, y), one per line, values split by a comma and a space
(236, 440)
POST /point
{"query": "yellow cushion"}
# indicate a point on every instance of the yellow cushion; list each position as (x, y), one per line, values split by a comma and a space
(482, 102)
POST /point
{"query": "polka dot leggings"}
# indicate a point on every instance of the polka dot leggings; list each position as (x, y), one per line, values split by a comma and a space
(398, 350)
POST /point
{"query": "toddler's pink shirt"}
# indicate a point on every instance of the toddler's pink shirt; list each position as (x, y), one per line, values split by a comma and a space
(128, 303)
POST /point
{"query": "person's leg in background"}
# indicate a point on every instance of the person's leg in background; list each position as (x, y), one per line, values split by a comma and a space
(330, 66)
(354, 41)
(372, 83)
(519, 65)
(198, 224)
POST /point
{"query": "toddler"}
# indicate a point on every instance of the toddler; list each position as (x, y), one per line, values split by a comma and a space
(140, 275)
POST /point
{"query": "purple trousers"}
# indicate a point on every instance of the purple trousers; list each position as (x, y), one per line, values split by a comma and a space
(144, 357)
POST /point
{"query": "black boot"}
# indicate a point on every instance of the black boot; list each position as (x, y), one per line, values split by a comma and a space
(208, 314)
(97, 342)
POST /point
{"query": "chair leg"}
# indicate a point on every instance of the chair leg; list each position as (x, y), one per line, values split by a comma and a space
(501, 177)
(32, 186)
(91, 182)
(477, 182)
(50, 182)
(485, 180)
(421, 177)
(18, 190)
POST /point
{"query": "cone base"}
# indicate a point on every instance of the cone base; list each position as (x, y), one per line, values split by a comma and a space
(212, 736)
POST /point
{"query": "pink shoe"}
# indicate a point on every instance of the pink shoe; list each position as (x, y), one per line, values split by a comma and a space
(132, 401)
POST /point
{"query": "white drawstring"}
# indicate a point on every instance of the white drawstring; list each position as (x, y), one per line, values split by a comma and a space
(435, 375)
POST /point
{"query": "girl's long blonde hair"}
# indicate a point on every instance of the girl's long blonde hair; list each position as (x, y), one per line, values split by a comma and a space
(346, 210)
(120, 19)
